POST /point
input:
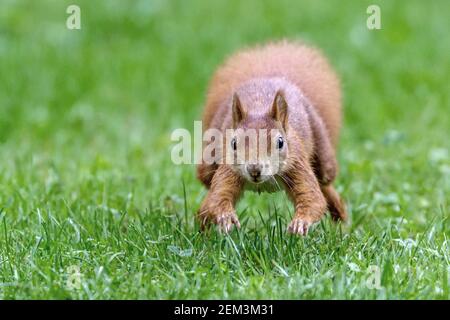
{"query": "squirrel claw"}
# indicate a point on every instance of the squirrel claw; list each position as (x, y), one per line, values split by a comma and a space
(299, 226)
(225, 222)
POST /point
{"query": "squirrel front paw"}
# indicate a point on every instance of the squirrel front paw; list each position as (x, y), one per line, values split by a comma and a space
(224, 219)
(300, 225)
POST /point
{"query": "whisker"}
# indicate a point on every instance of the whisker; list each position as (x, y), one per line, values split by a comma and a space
(276, 182)
(285, 197)
(287, 181)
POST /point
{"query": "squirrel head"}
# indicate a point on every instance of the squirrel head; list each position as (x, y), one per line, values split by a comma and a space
(258, 144)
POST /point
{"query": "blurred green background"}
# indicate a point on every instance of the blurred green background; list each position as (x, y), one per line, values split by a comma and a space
(86, 177)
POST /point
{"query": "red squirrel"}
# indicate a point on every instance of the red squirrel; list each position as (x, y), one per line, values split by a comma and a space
(284, 86)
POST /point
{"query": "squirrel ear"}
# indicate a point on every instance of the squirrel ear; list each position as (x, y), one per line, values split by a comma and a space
(237, 110)
(279, 108)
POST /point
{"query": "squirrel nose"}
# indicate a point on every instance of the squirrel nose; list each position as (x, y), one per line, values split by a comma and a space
(254, 170)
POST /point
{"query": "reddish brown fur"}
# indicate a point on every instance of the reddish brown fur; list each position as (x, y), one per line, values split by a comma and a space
(303, 77)
(303, 65)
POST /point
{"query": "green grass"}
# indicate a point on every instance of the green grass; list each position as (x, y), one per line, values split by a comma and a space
(86, 179)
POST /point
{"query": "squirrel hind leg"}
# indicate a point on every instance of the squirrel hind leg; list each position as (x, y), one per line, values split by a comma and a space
(335, 204)
(205, 173)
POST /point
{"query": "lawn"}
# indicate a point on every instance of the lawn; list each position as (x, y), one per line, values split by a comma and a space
(91, 206)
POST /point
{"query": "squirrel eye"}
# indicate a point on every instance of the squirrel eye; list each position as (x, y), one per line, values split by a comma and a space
(280, 142)
(233, 144)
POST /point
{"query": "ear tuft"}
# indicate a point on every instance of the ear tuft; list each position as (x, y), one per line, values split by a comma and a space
(279, 110)
(237, 110)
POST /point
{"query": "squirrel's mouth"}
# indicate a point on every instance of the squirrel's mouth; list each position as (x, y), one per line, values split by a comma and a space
(257, 180)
